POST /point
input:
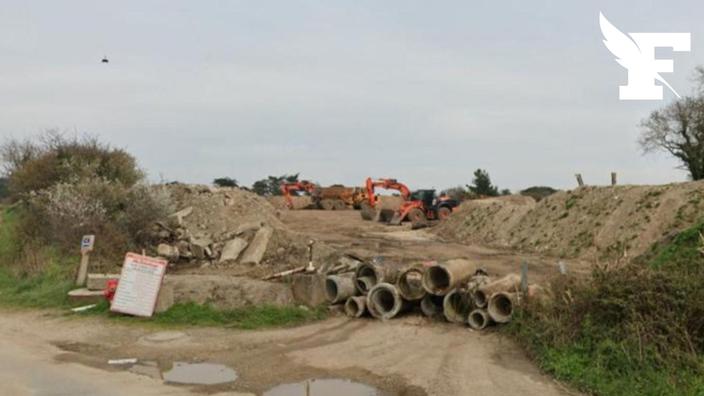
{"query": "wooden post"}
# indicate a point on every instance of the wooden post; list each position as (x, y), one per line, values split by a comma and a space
(613, 178)
(86, 247)
(580, 182)
(524, 278)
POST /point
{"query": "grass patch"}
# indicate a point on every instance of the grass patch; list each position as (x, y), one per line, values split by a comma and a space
(249, 318)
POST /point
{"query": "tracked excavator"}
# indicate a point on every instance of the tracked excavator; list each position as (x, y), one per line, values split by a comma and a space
(288, 188)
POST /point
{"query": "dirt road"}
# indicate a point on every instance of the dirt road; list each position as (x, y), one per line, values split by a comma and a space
(347, 232)
(62, 355)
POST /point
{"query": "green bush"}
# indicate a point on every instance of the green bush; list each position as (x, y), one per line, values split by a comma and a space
(635, 329)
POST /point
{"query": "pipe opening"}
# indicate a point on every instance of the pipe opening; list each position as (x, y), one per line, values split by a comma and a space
(331, 289)
(439, 278)
(410, 284)
(366, 278)
(503, 305)
(384, 300)
(478, 320)
(431, 305)
(456, 306)
(480, 298)
(353, 308)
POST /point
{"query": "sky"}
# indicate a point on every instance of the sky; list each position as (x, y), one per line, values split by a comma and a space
(425, 92)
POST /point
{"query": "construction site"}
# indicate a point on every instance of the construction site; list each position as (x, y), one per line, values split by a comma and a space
(351, 198)
(412, 310)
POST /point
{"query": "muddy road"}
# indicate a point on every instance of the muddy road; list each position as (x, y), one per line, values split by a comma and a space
(62, 355)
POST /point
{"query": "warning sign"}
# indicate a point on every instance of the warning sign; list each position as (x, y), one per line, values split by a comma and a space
(139, 285)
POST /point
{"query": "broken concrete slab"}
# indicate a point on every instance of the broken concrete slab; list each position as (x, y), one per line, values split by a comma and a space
(167, 251)
(232, 249)
(97, 282)
(309, 289)
(227, 292)
(85, 296)
(256, 249)
(181, 214)
(246, 227)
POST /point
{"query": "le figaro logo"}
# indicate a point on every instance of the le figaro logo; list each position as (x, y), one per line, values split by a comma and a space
(636, 52)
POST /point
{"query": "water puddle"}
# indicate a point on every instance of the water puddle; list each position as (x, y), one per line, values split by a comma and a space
(324, 387)
(199, 374)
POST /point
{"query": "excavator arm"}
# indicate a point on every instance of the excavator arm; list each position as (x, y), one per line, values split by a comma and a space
(288, 188)
(387, 184)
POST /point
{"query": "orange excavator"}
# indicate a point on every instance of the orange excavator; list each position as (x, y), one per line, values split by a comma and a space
(420, 207)
(368, 208)
(423, 207)
(288, 188)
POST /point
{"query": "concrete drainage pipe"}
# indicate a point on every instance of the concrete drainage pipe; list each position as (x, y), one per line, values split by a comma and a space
(355, 307)
(367, 275)
(442, 277)
(501, 306)
(384, 301)
(456, 306)
(509, 283)
(339, 288)
(410, 284)
(478, 319)
(431, 305)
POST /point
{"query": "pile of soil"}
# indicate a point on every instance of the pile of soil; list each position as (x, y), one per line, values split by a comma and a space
(227, 229)
(603, 223)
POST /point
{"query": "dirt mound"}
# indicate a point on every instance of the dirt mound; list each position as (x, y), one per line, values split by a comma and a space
(226, 229)
(590, 222)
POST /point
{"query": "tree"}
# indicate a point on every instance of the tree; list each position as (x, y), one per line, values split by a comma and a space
(225, 182)
(271, 186)
(481, 184)
(678, 129)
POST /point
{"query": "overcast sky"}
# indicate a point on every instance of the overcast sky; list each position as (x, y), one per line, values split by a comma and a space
(340, 90)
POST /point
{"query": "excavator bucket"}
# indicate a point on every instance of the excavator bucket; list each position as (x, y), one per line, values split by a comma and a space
(396, 219)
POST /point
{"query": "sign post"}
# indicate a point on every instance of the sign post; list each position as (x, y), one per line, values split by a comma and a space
(139, 285)
(87, 243)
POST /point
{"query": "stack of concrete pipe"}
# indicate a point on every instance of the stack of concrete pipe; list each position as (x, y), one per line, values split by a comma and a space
(454, 290)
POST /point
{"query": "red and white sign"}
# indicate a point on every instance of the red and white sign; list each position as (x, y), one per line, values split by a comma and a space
(139, 285)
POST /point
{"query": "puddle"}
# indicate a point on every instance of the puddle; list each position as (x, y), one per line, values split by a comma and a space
(324, 387)
(199, 374)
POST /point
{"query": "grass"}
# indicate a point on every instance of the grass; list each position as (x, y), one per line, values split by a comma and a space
(636, 329)
(48, 288)
(249, 318)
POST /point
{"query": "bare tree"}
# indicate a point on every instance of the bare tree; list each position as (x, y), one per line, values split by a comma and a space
(678, 129)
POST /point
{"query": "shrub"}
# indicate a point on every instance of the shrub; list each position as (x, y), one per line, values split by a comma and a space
(538, 192)
(33, 165)
(632, 329)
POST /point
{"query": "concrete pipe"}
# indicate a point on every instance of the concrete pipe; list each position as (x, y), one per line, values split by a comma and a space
(355, 307)
(501, 306)
(338, 288)
(477, 281)
(479, 319)
(442, 277)
(367, 275)
(384, 302)
(410, 283)
(456, 306)
(431, 305)
(509, 283)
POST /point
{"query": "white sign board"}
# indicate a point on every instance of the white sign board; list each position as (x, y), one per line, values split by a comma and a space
(139, 285)
(87, 243)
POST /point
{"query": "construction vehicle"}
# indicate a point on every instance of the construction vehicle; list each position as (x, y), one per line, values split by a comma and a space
(368, 208)
(291, 187)
(339, 197)
(336, 197)
(423, 208)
